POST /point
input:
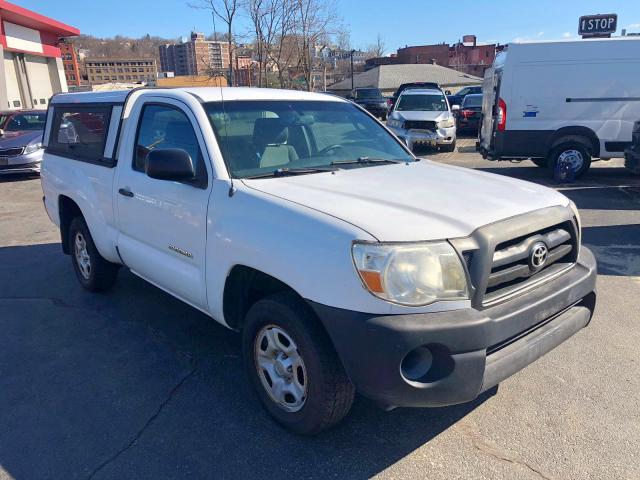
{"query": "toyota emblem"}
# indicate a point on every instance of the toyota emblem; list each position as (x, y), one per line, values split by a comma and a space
(538, 255)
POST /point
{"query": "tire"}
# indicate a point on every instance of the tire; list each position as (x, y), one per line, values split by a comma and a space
(567, 148)
(540, 162)
(93, 272)
(449, 148)
(323, 394)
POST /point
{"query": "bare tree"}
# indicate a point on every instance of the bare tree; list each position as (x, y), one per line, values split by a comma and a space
(226, 11)
(316, 22)
(377, 49)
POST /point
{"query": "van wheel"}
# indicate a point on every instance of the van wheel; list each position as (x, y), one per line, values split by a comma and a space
(293, 366)
(93, 272)
(573, 152)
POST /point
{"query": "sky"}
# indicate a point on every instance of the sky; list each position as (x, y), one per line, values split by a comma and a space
(404, 22)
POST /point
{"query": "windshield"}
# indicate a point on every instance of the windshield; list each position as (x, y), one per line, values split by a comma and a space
(368, 93)
(472, 101)
(261, 136)
(428, 102)
(26, 121)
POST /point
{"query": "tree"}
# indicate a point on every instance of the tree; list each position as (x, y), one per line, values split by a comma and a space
(315, 22)
(377, 49)
(226, 11)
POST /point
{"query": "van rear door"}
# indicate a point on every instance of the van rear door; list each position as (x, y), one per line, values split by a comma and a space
(490, 90)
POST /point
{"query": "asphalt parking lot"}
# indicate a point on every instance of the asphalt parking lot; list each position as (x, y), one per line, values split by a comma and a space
(135, 384)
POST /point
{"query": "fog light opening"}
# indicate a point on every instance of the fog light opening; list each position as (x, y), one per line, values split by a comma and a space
(417, 363)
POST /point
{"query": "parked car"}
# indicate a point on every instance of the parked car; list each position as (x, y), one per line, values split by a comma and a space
(562, 102)
(372, 100)
(295, 218)
(632, 154)
(461, 94)
(422, 116)
(409, 86)
(21, 141)
(469, 113)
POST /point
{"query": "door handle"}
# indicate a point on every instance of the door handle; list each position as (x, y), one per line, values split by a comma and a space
(125, 192)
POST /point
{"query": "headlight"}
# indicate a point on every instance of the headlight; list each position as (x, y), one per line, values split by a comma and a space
(411, 274)
(34, 147)
(576, 213)
(394, 123)
(447, 123)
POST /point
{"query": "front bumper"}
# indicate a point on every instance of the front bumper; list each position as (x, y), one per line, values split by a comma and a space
(439, 137)
(472, 350)
(29, 163)
(376, 110)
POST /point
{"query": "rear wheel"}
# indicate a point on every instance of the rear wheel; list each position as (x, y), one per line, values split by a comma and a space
(293, 365)
(93, 272)
(573, 153)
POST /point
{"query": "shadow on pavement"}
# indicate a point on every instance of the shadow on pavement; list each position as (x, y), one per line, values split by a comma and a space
(135, 384)
(617, 248)
(17, 177)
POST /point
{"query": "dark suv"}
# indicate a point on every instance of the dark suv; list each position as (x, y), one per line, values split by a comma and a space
(372, 100)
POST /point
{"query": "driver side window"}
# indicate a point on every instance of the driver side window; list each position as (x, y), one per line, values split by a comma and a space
(163, 126)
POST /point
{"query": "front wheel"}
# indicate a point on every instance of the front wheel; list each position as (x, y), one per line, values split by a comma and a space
(94, 273)
(293, 365)
(449, 148)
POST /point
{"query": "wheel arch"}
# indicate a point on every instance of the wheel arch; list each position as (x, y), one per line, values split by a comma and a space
(243, 287)
(68, 209)
(576, 133)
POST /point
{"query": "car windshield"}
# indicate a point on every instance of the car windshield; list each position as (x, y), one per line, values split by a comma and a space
(368, 93)
(427, 102)
(259, 137)
(472, 101)
(26, 121)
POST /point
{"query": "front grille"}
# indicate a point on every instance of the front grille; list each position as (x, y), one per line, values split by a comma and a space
(514, 267)
(420, 125)
(11, 152)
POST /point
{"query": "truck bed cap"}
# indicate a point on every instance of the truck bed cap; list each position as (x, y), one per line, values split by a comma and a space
(204, 94)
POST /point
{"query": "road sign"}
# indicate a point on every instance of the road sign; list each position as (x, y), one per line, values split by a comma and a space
(597, 25)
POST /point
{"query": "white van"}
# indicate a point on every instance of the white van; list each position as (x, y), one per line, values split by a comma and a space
(569, 100)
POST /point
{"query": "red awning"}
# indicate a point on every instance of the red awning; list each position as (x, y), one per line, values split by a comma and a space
(21, 16)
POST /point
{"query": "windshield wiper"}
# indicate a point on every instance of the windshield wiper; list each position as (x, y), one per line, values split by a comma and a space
(364, 160)
(286, 172)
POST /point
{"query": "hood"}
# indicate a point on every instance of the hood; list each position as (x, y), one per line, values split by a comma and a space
(412, 202)
(20, 139)
(434, 116)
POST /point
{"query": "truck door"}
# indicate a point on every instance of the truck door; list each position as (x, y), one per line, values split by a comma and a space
(491, 94)
(162, 223)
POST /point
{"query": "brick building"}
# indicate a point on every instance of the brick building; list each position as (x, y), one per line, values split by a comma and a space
(121, 70)
(31, 70)
(70, 63)
(438, 54)
(197, 56)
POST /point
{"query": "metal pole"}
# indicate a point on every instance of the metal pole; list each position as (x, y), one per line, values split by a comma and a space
(352, 52)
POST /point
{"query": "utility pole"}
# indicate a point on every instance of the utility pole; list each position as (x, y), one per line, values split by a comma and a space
(352, 52)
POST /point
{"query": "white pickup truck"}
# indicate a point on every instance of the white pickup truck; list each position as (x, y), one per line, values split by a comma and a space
(301, 221)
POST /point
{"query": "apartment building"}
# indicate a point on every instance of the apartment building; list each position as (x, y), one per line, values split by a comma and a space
(120, 70)
(70, 63)
(197, 56)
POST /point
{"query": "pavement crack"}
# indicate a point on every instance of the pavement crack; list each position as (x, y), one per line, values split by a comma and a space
(147, 424)
(484, 447)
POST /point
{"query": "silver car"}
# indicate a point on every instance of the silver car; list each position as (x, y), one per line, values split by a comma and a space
(423, 116)
(21, 141)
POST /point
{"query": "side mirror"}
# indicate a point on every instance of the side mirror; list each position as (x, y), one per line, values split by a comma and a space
(169, 164)
(447, 92)
(455, 108)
